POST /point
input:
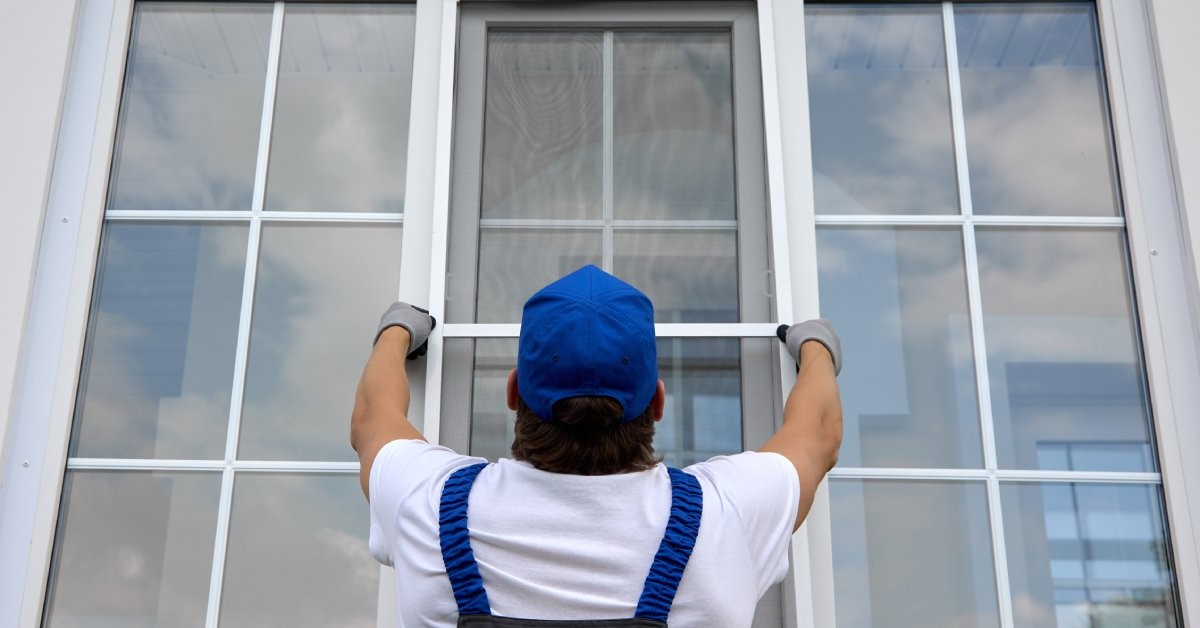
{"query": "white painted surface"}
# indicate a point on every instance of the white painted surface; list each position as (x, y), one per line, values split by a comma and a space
(1163, 267)
(790, 184)
(35, 46)
(1173, 29)
(43, 394)
(1173, 41)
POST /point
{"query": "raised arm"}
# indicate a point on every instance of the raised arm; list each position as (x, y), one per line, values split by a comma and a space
(812, 417)
(380, 412)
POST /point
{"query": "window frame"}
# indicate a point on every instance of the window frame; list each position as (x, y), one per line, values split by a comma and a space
(747, 38)
(61, 291)
(475, 23)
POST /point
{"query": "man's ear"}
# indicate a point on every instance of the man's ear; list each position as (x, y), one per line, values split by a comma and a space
(512, 390)
(659, 402)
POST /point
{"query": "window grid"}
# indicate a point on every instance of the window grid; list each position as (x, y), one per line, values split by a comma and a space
(265, 215)
(230, 467)
(604, 229)
(975, 307)
(1001, 475)
(607, 225)
(609, 151)
(661, 330)
(991, 475)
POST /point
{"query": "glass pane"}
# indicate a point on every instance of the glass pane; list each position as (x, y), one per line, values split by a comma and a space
(908, 553)
(1035, 112)
(515, 263)
(134, 550)
(879, 107)
(340, 136)
(673, 126)
(317, 301)
(898, 297)
(158, 370)
(704, 398)
(1063, 356)
(690, 275)
(298, 553)
(544, 105)
(1088, 555)
(491, 420)
(191, 109)
(703, 417)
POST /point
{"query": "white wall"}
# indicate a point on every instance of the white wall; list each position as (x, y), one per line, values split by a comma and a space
(35, 46)
(1174, 25)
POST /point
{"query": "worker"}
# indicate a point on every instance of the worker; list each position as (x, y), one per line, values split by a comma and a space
(585, 526)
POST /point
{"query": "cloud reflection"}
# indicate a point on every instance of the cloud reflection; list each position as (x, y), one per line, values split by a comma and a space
(340, 136)
(879, 107)
(159, 367)
(934, 532)
(298, 553)
(898, 297)
(135, 549)
(314, 316)
(190, 114)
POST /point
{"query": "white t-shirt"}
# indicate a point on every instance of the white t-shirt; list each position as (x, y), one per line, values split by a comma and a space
(559, 546)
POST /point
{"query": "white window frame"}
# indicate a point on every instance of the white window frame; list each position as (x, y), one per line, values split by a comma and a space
(44, 397)
(1151, 215)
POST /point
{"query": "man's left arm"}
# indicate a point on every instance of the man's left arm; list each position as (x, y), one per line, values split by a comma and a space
(380, 413)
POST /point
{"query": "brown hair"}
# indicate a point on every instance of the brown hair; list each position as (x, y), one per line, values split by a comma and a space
(587, 437)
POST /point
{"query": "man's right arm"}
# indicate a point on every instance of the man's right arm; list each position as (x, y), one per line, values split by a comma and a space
(812, 417)
(380, 413)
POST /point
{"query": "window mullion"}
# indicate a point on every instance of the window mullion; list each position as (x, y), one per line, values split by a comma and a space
(609, 105)
(225, 505)
(975, 307)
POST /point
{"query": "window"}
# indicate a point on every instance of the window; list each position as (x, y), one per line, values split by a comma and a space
(641, 160)
(259, 171)
(966, 229)
(972, 250)
(639, 149)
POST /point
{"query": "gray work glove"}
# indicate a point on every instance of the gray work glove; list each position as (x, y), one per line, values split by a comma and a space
(417, 321)
(817, 329)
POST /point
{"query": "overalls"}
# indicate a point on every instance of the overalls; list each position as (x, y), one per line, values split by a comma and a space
(474, 610)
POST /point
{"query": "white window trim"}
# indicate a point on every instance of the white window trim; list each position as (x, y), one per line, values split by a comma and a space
(423, 249)
(809, 588)
(1169, 326)
(45, 395)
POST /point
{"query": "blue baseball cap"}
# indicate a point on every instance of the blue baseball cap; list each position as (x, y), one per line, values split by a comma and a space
(587, 334)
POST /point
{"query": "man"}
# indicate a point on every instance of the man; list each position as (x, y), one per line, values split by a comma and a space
(584, 523)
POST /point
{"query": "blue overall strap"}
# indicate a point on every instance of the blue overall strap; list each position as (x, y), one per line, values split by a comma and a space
(456, 543)
(687, 502)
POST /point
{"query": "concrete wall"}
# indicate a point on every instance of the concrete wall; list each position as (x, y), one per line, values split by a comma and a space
(35, 47)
